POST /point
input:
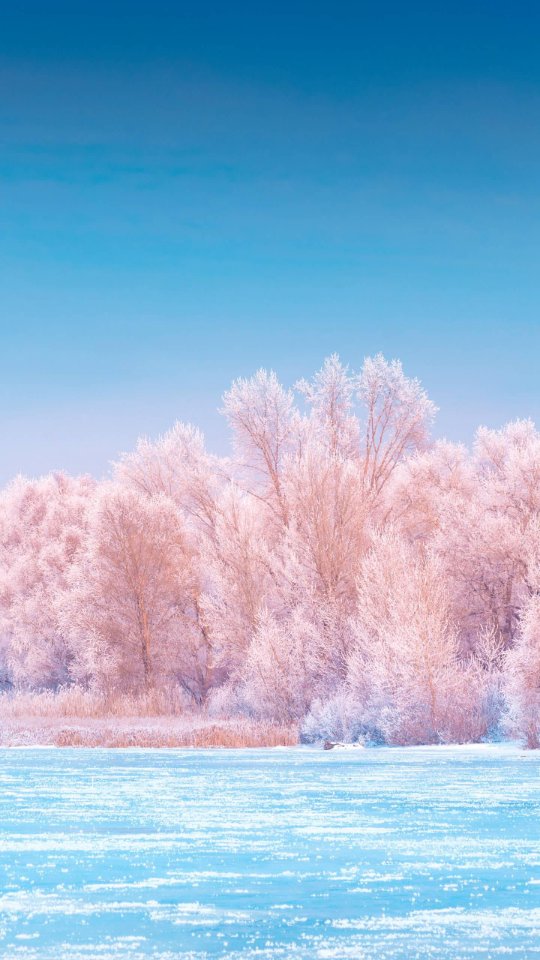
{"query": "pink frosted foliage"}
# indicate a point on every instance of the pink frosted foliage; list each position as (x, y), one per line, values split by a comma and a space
(42, 529)
(131, 611)
(339, 570)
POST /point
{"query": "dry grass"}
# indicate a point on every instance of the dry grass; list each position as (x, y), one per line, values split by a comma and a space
(209, 735)
(226, 733)
(76, 718)
(76, 702)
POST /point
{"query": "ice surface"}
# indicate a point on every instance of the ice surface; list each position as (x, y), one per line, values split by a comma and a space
(292, 853)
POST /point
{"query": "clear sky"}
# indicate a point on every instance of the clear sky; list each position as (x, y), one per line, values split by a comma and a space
(191, 190)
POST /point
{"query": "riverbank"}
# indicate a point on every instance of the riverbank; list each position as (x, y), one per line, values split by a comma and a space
(164, 731)
(72, 717)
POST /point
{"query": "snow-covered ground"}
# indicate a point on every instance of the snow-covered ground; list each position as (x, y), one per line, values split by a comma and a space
(286, 853)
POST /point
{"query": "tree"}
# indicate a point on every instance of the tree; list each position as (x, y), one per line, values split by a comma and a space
(261, 414)
(328, 518)
(330, 398)
(397, 420)
(238, 577)
(130, 609)
(178, 466)
(275, 680)
(522, 661)
(42, 531)
(338, 567)
(404, 659)
(478, 512)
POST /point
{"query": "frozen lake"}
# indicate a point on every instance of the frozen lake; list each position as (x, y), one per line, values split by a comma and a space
(290, 853)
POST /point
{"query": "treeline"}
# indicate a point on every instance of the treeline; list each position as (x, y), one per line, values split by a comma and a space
(338, 570)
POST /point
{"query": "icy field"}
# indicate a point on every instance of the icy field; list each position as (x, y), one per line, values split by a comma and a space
(291, 853)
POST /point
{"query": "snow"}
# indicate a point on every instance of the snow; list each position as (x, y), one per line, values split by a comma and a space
(428, 852)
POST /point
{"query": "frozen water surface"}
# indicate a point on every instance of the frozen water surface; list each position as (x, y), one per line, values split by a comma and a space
(192, 854)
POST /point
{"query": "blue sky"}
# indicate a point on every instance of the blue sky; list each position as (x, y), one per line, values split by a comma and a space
(189, 191)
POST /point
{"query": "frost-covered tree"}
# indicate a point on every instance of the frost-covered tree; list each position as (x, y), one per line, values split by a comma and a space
(42, 530)
(398, 416)
(478, 511)
(178, 466)
(238, 577)
(330, 397)
(275, 680)
(404, 663)
(328, 515)
(522, 678)
(338, 570)
(129, 613)
(261, 414)
(522, 660)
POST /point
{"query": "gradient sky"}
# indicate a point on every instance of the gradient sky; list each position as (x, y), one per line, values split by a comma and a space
(191, 190)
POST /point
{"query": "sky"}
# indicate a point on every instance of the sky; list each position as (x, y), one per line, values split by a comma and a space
(192, 190)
